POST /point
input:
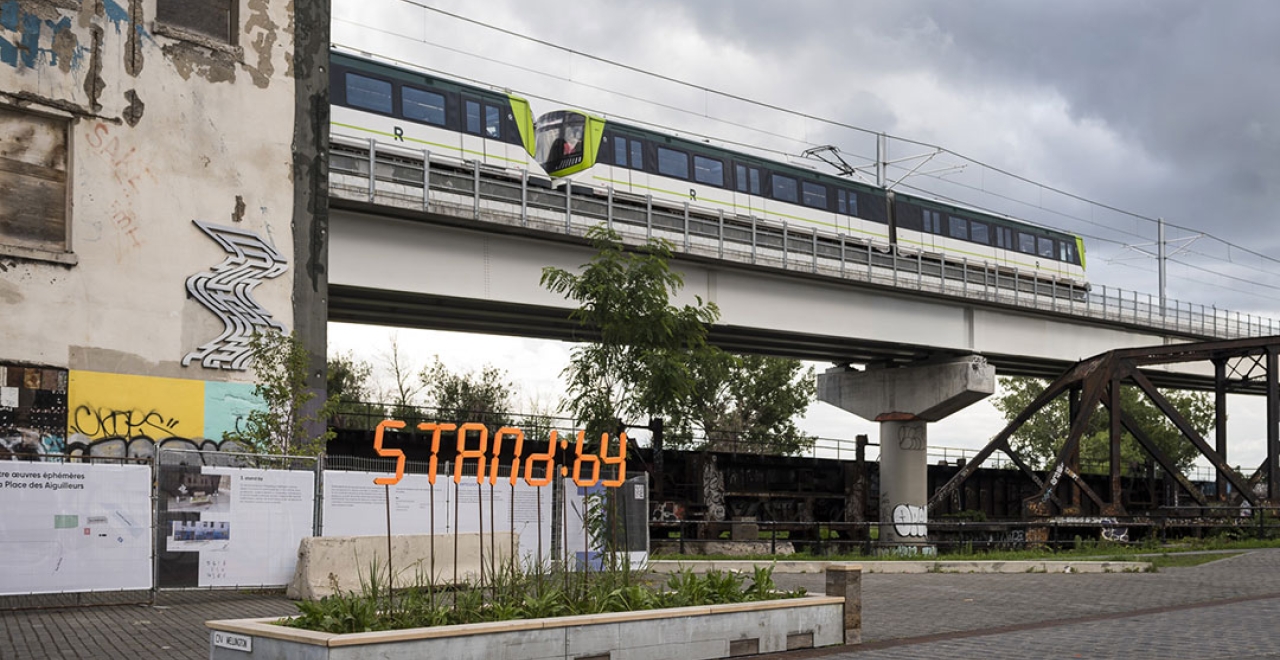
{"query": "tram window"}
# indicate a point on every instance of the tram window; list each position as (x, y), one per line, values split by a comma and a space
(473, 117)
(740, 177)
(978, 232)
(784, 188)
(369, 93)
(958, 227)
(932, 222)
(1004, 238)
(421, 105)
(815, 194)
(1068, 252)
(673, 163)
(708, 170)
(620, 151)
(637, 155)
(1046, 247)
(1026, 243)
(492, 122)
(847, 202)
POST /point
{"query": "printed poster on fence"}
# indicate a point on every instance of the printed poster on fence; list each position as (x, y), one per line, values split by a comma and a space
(74, 527)
(224, 526)
(355, 506)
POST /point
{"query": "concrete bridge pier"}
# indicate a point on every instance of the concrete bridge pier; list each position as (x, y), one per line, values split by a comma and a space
(904, 400)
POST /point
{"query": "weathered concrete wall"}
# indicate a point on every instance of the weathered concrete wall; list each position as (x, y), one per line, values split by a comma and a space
(164, 129)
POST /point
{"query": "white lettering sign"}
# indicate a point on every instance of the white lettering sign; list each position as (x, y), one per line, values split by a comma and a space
(232, 641)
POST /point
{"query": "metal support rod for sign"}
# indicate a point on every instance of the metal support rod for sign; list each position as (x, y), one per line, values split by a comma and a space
(609, 210)
(480, 516)
(373, 167)
(648, 217)
(391, 576)
(721, 233)
(686, 226)
(524, 198)
(426, 180)
(475, 188)
(456, 498)
(432, 559)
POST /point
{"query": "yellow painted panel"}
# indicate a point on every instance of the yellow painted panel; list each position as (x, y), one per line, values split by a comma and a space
(104, 405)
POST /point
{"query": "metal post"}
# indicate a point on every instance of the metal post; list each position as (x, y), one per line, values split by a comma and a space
(475, 188)
(686, 226)
(964, 276)
(426, 180)
(786, 251)
(1016, 287)
(842, 266)
(919, 271)
(1273, 425)
(815, 251)
(893, 258)
(1220, 421)
(648, 217)
(568, 208)
(1161, 260)
(753, 239)
(721, 234)
(609, 210)
(373, 165)
(524, 198)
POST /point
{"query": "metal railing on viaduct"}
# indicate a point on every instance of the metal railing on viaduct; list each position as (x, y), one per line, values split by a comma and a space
(469, 190)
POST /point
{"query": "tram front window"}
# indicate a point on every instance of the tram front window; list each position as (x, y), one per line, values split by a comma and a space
(559, 140)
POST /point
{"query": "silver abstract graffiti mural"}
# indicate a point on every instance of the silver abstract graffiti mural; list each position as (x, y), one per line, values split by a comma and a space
(227, 290)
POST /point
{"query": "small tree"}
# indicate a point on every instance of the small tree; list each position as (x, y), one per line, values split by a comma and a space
(349, 384)
(483, 396)
(640, 364)
(280, 364)
(745, 403)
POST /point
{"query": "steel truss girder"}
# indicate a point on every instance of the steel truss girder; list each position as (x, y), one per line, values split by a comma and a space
(1098, 379)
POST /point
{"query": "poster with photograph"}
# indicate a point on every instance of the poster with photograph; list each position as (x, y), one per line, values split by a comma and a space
(74, 527)
(225, 526)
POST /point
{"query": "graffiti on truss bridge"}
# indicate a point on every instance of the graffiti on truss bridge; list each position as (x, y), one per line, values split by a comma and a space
(713, 489)
(227, 290)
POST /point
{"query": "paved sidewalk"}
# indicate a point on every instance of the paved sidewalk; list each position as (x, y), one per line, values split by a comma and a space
(1225, 609)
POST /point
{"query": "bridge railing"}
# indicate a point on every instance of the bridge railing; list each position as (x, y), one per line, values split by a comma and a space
(470, 190)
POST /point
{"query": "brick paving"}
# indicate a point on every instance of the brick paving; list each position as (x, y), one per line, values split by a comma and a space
(1225, 609)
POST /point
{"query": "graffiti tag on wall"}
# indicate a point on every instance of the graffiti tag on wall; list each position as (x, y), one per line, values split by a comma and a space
(227, 290)
(104, 421)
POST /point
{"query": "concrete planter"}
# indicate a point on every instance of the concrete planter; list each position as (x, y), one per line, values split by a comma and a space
(689, 633)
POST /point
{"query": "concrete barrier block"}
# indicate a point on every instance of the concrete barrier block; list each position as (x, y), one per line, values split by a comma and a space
(328, 564)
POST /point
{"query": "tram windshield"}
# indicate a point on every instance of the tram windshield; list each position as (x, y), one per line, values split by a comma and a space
(560, 140)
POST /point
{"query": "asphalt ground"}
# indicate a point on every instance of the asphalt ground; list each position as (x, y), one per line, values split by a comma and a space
(1228, 608)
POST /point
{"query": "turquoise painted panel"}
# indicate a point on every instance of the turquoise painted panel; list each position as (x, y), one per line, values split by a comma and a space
(227, 407)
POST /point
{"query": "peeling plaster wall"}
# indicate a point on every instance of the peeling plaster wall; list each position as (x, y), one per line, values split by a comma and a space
(166, 128)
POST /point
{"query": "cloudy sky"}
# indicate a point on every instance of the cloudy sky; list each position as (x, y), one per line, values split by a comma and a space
(1146, 109)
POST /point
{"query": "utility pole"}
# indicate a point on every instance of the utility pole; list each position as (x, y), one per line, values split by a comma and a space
(1161, 260)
